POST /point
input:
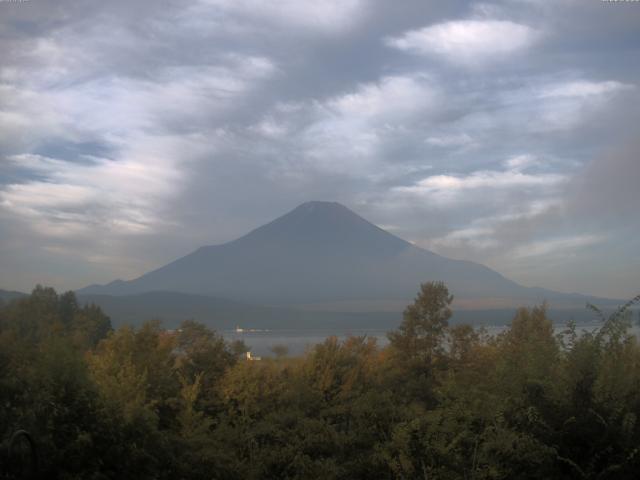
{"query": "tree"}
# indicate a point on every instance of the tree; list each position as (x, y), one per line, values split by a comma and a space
(89, 326)
(417, 347)
(528, 348)
(424, 325)
(280, 351)
(203, 357)
(67, 307)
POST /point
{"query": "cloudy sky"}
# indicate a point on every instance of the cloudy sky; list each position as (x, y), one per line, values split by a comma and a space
(504, 132)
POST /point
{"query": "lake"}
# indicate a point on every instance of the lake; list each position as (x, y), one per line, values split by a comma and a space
(298, 341)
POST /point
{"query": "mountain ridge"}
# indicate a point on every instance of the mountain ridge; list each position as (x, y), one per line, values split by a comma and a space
(321, 252)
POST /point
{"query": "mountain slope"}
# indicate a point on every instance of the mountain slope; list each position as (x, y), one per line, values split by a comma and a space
(8, 295)
(320, 252)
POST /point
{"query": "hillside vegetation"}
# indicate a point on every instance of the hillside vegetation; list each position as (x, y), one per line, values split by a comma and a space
(440, 402)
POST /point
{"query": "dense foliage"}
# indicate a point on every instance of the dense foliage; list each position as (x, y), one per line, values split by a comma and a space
(440, 402)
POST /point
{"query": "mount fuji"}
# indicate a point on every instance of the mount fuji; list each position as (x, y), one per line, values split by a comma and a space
(322, 255)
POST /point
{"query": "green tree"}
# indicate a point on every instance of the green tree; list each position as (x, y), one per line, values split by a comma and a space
(425, 322)
(280, 351)
(424, 326)
(202, 358)
(89, 325)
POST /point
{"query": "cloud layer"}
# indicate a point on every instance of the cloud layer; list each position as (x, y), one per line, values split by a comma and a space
(501, 132)
(467, 42)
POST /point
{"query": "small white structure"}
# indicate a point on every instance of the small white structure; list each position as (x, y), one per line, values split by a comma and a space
(252, 359)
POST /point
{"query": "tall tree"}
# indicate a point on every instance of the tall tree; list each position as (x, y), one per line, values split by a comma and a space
(417, 347)
(424, 325)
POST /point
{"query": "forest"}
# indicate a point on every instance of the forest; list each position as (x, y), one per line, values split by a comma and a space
(441, 401)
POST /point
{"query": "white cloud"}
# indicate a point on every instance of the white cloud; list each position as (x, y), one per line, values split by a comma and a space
(451, 187)
(149, 129)
(347, 133)
(121, 196)
(270, 128)
(27, 117)
(476, 237)
(393, 98)
(566, 105)
(556, 246)
(114, 110)
(486, 233)
(467, 42)
(521, 162)
(582, 89)
(539, 104)
(450, 140)
(96, 196)
(316, 15)
(30, 197)
(178, 95)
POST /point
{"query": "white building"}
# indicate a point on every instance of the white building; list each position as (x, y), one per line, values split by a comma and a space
(249, 357)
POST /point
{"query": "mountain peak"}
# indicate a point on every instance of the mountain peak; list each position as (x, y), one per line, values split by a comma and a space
(318, 208)
(320, 204)
(324, 227)
(323, 211)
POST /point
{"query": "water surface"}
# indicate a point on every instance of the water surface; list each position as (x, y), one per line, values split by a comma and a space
(298, 341)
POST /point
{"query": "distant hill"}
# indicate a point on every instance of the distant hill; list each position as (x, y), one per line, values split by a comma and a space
(8, 295)
(322, 253)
